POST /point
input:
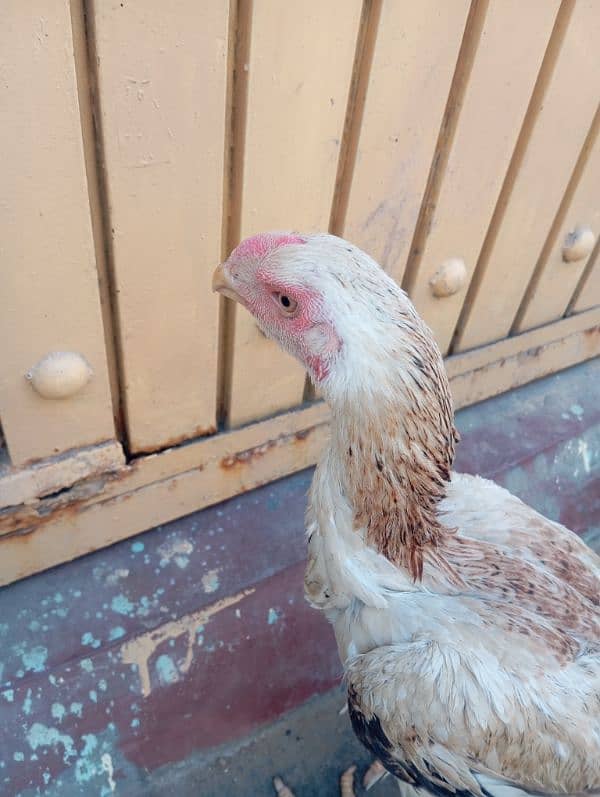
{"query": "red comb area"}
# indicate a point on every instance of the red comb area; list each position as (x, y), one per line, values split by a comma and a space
(263, 243)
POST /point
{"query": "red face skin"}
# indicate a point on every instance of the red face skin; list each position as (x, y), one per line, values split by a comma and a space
(304, 328)
(258, 246)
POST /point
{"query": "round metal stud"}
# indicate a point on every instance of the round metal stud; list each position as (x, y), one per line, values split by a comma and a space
(449, 278)
(60, 374)
(578, 244)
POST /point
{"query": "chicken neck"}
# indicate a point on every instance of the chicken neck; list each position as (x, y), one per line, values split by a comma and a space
(393, 448)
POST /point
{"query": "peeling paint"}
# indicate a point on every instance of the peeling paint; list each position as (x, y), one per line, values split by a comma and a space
(107, 766)
(76, 709)
(138, 651)
(88, 639)
(145, 606)
(121, 605)
(34, 660)
(577, 410)
(179, 550)
(210, 581)
(97, 758)
(584, 452)
(27, 703)
(166, 670)
(85, 768)
(117, 575)
(40, 735)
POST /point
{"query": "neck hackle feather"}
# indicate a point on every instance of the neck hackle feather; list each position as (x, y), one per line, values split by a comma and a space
(397, 445)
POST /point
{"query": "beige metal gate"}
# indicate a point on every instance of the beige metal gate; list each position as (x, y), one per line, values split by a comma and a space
(456, 141)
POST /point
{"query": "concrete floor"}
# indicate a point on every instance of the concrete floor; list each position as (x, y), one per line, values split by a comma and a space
(309, 748)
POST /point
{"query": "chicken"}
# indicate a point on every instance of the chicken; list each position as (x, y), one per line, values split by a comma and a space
(467, 623)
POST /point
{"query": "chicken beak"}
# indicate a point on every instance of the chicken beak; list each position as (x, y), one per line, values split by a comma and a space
(221, 283)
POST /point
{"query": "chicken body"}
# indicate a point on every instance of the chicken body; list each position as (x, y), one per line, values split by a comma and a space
(467, 623)
(469, 688)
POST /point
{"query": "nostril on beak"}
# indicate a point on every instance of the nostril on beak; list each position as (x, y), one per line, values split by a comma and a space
(219, 279)
(221, 283)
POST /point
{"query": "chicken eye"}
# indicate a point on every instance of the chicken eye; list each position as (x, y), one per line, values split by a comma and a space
(286, 303)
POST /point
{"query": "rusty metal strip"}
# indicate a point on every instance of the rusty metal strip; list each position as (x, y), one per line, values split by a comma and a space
(24, 485)
(164, 486)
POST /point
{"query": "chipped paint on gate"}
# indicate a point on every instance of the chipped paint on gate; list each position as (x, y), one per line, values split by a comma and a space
(140, 650)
